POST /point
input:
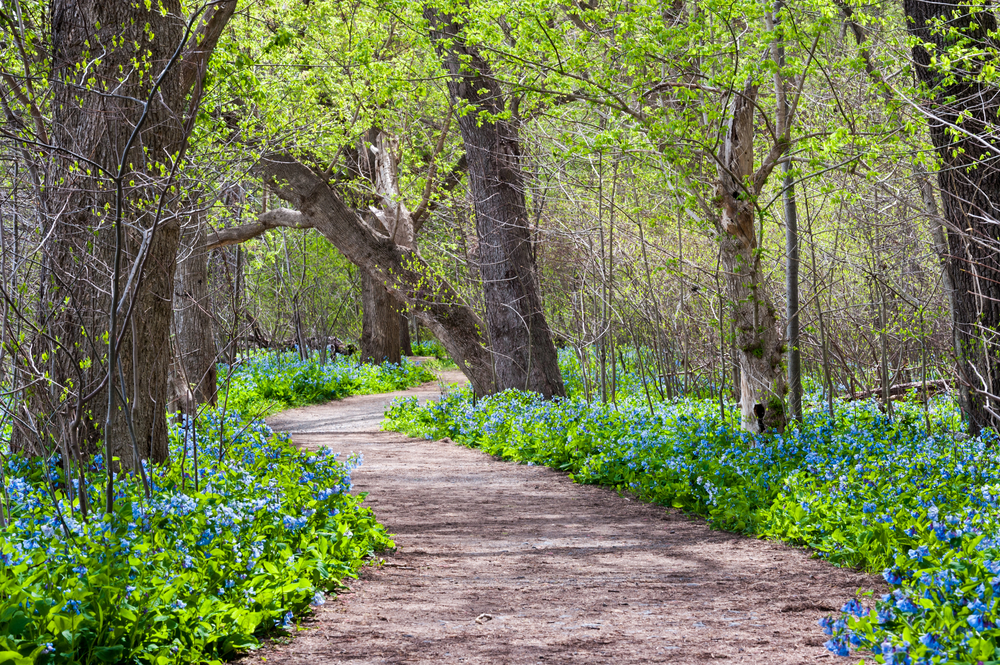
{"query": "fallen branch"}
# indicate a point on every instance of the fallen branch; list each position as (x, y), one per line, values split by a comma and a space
(899, 390)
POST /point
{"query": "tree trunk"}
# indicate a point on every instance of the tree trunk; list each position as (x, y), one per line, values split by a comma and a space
(964, 113)
(759, 341)
(381, 328)
(403, 272)
(195, 329)
(405, 346)
(380, 336)
(523, 352)
(105, 135)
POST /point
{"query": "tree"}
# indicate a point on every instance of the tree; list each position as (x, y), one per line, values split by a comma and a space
(126, 84)
(524, 355)
(954, 51)
(401, 270)
(194, 337)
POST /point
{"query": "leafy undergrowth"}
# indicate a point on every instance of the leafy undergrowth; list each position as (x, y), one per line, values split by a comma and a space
(858, 489)
(267, 383)
(231, 545)
(436, 351)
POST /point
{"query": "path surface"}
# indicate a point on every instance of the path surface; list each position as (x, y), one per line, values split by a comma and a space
(505, 563)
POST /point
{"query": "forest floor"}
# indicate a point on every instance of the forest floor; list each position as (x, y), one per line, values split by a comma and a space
(504, 563)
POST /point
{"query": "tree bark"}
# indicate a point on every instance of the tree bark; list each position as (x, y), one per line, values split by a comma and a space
(759, 342)
(963, 113)
(379, 323)
(381, 329)
(92, 122)
(404, 273)
(195, 329)
(524, 355)
(405, 346)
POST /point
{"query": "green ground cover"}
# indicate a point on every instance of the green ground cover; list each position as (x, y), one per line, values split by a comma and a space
(267, 383)
(241, 533)
(884, 496)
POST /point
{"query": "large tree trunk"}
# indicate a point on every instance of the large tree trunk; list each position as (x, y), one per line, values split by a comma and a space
(964, 115)
(523, 353)
(381, 334)
(195, 329)
(759, 342)
(93, 120)
(379, 323)
(404, 273)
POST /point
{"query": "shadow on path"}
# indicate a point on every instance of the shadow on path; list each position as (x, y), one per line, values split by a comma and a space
(555, 572)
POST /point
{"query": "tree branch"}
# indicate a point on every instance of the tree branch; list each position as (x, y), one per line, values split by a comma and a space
(194, 64)
(272, 219)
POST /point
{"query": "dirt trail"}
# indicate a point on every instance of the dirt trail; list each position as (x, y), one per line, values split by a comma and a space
(506, 563)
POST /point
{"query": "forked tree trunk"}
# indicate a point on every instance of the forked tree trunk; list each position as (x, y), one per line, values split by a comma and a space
(80, 246)
(524, 355)
(969, 180)
(88, 120)
(381, 331)
(404, 273)
(759, 342)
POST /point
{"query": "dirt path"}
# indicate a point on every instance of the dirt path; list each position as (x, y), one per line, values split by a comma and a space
(505, 563)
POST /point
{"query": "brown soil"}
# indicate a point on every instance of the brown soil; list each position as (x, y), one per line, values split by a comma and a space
(506, 563)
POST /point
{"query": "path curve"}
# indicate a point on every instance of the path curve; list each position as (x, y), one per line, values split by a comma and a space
(506, 563)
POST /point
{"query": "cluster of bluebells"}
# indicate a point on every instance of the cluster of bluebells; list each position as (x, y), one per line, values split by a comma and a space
(264, 382)
(858, 488)
(190, 573)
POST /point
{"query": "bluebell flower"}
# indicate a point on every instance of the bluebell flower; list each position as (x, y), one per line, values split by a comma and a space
(854, 607)
(892, 577)
(838, 647)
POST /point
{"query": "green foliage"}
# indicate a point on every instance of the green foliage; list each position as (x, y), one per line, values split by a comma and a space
(188, 575)
(270, 382)
(242, 533)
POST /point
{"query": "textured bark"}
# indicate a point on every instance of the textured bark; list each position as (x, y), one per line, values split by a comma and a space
(381, 335)
(759, 341)
(524, 356)
(405, 346)
(101, 37)
(195, 329)
(963, 114)
(379, 322)
(407, 276)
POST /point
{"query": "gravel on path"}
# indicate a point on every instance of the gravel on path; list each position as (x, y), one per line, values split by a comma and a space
(505, 563)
